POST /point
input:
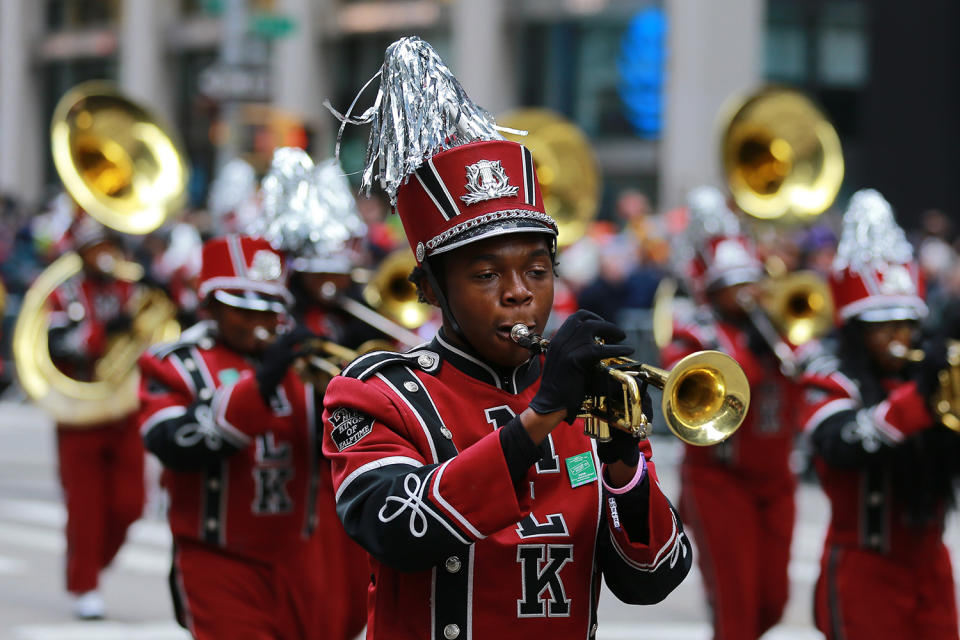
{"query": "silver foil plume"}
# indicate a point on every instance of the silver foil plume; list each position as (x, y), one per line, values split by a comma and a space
(234, 185)
(307, 210)
(870, 237)
(709, 216)
(420, 110)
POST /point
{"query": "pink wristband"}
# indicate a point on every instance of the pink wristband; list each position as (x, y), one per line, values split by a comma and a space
(637, 478)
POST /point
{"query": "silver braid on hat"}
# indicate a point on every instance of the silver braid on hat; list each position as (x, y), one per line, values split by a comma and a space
(307, 211)
(870, 237)
(420, 110)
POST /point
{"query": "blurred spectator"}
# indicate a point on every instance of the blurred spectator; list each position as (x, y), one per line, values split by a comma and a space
(818, 247)
(382, 238)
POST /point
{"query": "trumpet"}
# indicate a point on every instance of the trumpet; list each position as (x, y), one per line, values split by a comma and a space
(705, 395)
(946, 399)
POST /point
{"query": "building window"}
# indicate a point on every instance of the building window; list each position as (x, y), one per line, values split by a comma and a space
(78, 14)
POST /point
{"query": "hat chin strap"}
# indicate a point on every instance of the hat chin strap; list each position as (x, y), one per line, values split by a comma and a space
(444, 305)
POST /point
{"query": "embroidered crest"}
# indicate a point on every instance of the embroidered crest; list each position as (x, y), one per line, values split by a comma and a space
(486, 180)
(265, 266)
(349, 427)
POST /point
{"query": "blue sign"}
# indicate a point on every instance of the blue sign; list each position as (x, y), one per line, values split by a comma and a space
(642, 68)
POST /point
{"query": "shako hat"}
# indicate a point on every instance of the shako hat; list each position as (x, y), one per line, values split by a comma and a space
(721, 255)
(439, 157)
(874, 277)
(244, 272)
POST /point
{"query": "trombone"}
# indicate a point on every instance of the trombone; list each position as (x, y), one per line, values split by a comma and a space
(705, 395)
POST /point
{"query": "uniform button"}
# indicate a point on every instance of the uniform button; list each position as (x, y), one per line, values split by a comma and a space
(411, 386)
(425, 361)
(211, 524)
(206, 343)
(75, 311)
(875, 540)
(205, 394)
(875, 498)
(213, 484)
(453, 564)
(446, 433)
(451, 631)
(190, 365)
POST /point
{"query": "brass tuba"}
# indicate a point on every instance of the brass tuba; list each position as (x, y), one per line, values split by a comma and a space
(565, 165)
(705, 395)
(946, 398)
(781, 157)
(125, 169)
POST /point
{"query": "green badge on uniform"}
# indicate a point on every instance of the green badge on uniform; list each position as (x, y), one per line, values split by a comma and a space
(581, 469)
(228, 376)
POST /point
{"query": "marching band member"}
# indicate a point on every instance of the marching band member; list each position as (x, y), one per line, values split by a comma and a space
(737, 497)
(238, 435)
(101, 466)
(485, 515)
(883, 460)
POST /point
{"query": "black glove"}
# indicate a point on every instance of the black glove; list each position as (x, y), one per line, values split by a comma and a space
(925, 373)
(279, 356)
(571, 360)
(122, 323)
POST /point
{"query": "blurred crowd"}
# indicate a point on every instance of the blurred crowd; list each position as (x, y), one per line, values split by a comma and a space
(614, 269)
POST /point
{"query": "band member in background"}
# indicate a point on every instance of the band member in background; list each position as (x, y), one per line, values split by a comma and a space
(886, 464)
(737, 497)
(101, 465)
(460, 466)
(238, 434)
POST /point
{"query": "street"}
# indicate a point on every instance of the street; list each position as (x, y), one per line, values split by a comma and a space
(34, 606)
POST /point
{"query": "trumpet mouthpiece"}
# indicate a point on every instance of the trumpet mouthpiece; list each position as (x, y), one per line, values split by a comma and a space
(521, 334)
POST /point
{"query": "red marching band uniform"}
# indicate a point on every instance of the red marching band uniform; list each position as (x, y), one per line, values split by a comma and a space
(101, 466)
(258, 550)
(460, 547)
(883, 460)
(737, 497)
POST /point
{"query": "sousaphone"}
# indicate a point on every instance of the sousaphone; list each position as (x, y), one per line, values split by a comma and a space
(127, 170)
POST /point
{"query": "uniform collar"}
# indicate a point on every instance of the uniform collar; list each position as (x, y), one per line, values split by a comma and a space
(510, 379)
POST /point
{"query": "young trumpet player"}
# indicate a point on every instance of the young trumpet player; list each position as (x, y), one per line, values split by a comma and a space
(258, 552)
(737, 498)
(461, 466)
(884, 460)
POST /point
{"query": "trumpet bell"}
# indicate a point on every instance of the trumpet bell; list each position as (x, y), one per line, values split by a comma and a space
(781, 156)
(705, 397)
(116, 160)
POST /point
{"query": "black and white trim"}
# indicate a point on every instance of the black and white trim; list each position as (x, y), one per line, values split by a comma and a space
(433, 185)
(529, 182)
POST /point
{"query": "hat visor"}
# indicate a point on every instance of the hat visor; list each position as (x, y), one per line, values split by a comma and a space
(493, 229)
(890, 314)
(251, 300)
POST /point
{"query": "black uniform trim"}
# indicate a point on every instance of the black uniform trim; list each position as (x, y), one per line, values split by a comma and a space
(406, 385)
(452, 600)
(875, 534)
(368, 364)
(833, 599)
(314, 434)
(512, 380)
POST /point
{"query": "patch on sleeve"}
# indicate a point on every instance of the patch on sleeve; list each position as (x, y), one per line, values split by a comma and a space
(349, 427)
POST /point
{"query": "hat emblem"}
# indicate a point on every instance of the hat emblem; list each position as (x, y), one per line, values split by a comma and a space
(896, 280)
(265, 266)
(486, 180)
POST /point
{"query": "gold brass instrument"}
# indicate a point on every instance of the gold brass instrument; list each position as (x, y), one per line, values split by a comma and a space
(113, 394)
(121, 166)
(391, 293)
(799, 304)
(116, 159)
(565, 165)
(705, 395)
(780, 155)
(946, 399)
